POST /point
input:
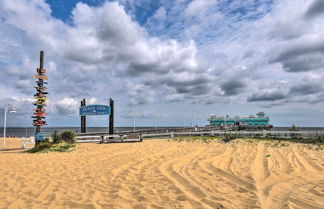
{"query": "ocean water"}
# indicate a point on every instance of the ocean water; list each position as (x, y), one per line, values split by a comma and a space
(300, 128)
(47, 131)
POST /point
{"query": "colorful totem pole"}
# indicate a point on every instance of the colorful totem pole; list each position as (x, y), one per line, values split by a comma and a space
(41, 98)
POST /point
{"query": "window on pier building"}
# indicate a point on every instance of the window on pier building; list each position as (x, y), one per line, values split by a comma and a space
(255, 124)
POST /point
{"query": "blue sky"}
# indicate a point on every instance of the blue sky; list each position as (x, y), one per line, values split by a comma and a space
(142, 10)
(61, 9)
(181, 59)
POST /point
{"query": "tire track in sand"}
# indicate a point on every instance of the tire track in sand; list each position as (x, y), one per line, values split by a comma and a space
(260, 172)
(129, 181)
(169, 195)
(197, 197)
(282, 190)
(190, 164)
(229, 182)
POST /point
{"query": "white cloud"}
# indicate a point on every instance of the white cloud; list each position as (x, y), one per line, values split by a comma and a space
(198, 52)
(198, 7)
(67, 106)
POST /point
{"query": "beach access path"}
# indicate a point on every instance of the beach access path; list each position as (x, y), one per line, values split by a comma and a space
(163, 174)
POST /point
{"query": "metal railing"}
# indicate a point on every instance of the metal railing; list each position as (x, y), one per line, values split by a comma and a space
(101, 138)
(261, 134)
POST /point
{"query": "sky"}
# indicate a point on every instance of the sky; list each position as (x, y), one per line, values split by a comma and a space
(175, 60)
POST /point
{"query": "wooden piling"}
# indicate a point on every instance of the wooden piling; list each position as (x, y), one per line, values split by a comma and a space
(41, 65)
(83, 118)
(111, 116)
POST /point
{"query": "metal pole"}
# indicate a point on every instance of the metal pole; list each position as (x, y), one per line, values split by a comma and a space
(4, 127)
(134, 121)
(156, 116)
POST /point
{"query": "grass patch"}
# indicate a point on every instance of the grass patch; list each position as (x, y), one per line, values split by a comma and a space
(317, 144)
(204, 139)
(45, 147)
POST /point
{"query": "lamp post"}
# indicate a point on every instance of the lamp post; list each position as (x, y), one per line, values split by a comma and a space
(184, 116)
(5, 123)
(133, 114)
(156, 116)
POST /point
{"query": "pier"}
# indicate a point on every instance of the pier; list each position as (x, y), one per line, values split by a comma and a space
(205, 131)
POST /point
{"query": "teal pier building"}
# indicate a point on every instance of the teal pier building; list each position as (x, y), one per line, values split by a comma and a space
(258, 121)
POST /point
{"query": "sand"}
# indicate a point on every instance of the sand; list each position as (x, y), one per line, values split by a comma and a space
(161, 174)
(13, 143)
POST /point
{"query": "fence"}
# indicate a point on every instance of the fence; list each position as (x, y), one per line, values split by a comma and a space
(253, 134)
(27, 143)
(101, 138)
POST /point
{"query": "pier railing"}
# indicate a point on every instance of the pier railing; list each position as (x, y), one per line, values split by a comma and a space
(167, 133)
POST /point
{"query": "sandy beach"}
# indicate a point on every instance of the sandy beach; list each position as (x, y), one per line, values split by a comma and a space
(12, 143)
(161, 174)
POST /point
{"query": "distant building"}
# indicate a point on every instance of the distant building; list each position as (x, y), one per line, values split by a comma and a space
(258, 121)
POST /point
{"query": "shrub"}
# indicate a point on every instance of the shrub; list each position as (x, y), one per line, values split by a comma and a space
(56, 137)
(68, 136)
(47, 140)
(294, 128)
(257, 136)
(228, 137)
(204, 139)
(62, 147)
(44, 147)
(41, 146)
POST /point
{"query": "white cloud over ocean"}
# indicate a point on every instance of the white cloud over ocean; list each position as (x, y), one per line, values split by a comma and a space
(186, 57)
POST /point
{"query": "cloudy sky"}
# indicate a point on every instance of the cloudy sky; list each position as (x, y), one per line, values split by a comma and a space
(183, 59)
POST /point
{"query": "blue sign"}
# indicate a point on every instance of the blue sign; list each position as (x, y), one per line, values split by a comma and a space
(39, 137)
(95, 110)
(41, 82)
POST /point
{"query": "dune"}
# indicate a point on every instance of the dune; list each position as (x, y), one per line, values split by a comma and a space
(162, 174)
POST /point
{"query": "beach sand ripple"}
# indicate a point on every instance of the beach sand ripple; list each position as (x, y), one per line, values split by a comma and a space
(160, 174)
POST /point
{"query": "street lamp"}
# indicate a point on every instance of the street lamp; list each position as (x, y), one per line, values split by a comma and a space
(184, 116)
(133, 114)
(156, 116)
(5, 123)
(194, 119)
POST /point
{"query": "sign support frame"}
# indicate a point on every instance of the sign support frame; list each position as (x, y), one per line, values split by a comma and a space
(111, 117)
